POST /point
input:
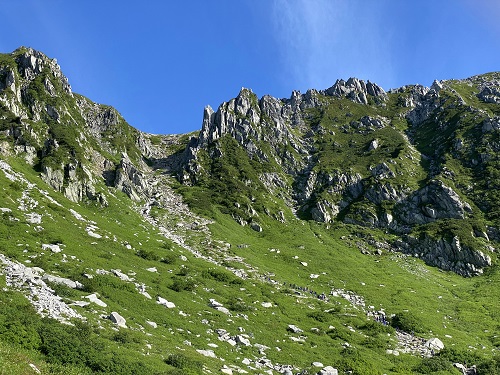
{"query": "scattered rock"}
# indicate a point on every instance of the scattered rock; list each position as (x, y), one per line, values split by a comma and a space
(328, 370)
(61, 280)
(35, 368)
(52, 247)
(435, 344)
(207, 353)
(118, 319)
(164, 302)
(294, 329)
(243, 340)
(256, 227)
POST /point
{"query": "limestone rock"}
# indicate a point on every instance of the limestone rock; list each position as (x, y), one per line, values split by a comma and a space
(357, 90)
(207, 353)
(164, 302)
(61, 280)
(294, 329)
(52, 247)
(373, 145)
(130, 179)
(433, 201)
(93, 298)
(435, 344)
(118, 319)
(328, 370)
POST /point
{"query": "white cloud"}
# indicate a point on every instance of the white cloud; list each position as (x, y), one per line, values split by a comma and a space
(322, 40)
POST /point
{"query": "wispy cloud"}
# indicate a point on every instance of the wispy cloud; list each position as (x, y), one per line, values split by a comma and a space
(322, 40)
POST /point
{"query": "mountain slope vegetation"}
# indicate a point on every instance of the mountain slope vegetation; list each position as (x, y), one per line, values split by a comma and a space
(347, 230)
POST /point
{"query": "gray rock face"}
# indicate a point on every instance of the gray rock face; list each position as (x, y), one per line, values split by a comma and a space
(130, 179)
(491, 124)
(73, 186)
(61, 280)
(449, 255)
(422, 102)
(294, 329)
(490, 92)
(357, 90)
(432, 202)
(42, 297)
(31, 63)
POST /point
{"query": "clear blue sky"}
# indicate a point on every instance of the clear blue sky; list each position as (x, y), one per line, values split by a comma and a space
(159, 62)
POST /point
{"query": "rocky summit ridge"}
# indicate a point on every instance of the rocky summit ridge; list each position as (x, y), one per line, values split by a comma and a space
(408, 172)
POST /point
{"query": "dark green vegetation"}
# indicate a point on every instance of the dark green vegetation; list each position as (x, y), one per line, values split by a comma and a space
(318, 190)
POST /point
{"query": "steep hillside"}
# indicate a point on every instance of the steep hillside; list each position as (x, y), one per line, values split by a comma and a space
(349, 230)
(415, 162)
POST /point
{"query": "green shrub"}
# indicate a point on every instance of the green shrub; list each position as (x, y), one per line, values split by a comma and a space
(237, 305)
(61, 290)
(183, 362)
(489, 367)
(169, 259)
(408, 322)
(434, 364)
(319, 316)
(18, 322)
(180, 284)
(148, 255)
(220, 276)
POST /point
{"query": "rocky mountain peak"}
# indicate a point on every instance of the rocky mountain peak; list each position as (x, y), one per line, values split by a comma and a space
(32, 63)
(356, 90)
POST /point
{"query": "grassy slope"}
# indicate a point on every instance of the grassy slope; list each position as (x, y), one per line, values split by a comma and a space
(461, 312)
(407, 285)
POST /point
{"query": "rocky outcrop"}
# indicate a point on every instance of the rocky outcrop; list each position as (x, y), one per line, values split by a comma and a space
(76, 186)
(31, 63)
(447, 254)
(31, 280)
(434, 201)
(357, 90)
(490, 92)
(420, 100)
(130, 179)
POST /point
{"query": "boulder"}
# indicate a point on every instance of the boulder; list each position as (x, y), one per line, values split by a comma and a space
(52, 247)
(118, 319)
(63, 281)
(256, 227)
(435, 344)
(207, 353)
(328, 370)
(164, 302)
(294, 329)
(242, 340)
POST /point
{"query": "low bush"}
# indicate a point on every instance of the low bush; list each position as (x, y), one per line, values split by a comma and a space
(184, 363)
(408, 322)
(180, 284)
(434, 364)
(148, 255)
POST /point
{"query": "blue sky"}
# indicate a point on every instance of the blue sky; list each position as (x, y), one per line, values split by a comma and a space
(160, 62)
